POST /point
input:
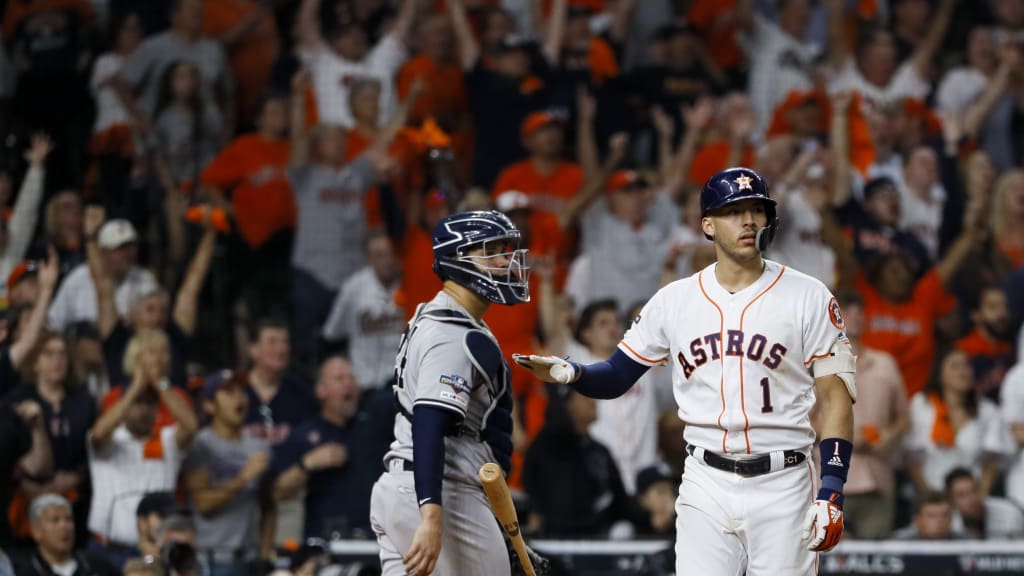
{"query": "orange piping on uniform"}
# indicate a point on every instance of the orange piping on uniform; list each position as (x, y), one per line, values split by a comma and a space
(743, 399)
(630, 348)
(721, 381)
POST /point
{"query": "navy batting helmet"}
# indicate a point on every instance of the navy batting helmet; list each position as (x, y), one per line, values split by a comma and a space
(456, 235)
(733, 185)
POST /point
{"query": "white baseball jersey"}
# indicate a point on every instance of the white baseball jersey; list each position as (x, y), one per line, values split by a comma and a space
(741, 363)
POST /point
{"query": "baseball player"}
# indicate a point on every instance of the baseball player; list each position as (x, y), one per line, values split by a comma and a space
(428, 509)
(752, 345)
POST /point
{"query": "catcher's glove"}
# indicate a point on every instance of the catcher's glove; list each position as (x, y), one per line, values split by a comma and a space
(540, 564)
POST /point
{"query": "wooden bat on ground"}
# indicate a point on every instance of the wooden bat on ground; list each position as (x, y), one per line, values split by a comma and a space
(501, 503)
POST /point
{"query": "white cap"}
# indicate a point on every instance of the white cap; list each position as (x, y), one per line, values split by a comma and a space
(510, 200)
(116, 233)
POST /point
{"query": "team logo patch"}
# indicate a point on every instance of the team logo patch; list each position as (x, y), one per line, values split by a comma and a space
(835, 315)
(457, 383)
(453, 397)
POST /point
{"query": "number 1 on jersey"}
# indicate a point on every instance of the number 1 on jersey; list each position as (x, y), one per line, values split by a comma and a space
(766, 395)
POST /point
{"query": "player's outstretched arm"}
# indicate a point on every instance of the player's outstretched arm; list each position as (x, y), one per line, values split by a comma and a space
(604, 380)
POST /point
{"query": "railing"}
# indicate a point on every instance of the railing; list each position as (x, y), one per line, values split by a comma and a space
(653, 558)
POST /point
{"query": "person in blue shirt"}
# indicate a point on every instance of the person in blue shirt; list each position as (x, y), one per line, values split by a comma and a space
(329, 456)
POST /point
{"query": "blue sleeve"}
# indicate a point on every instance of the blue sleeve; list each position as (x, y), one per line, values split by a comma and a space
(429, 426)
(611, 378)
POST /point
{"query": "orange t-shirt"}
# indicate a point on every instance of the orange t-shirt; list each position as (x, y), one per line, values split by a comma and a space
(713, 158)
(906, 329)
(252, 57)
(419, 283)
(547, 192)
(444, 96)
(255, 168)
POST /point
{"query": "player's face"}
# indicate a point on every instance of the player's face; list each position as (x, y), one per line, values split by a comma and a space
(494, 257)
(734, 228)
(934, 521)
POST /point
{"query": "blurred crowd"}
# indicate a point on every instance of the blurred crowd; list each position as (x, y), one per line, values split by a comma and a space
(216, 220)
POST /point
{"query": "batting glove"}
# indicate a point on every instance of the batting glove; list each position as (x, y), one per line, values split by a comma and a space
(558, 369)
(823, 526)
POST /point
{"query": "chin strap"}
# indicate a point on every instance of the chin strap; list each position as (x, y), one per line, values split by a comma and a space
(766, 235)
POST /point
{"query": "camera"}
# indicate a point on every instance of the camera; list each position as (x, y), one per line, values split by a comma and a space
(180, 558)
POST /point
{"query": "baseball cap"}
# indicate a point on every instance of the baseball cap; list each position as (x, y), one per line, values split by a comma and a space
(116, 233)
(537, 120)
(879, 184)
(223, 379)
(24, 270)
(510, 200)
(163, 504)
(652, 475)
(623, 179)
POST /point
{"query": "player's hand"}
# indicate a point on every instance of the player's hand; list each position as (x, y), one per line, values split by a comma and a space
(330, 455)
(426, 542)
(823, 526)
(549, 368)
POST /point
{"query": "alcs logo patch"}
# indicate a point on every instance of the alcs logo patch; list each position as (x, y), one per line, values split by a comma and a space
(457, 383)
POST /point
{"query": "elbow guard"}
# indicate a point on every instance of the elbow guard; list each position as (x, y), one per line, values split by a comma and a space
(841, 362)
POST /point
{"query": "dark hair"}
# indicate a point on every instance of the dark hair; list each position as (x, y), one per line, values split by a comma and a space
(975, 299)
(165, 98)
(958, 473)
(590, 311)
(268, 323)
(934, 385)
(930, 497)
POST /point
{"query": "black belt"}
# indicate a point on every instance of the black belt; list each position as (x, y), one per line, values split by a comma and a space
(752, 466)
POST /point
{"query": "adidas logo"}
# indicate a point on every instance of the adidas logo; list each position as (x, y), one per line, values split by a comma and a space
(835, 461)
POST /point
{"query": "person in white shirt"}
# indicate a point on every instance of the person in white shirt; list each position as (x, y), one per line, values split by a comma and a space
(950, 427)
(366, 315)
(126, 459)
(76, 299)
(344, 55)
(922, 197)
(781, 60)
(961, 86)
(874, 72)
(980, 517)
(1011, 402)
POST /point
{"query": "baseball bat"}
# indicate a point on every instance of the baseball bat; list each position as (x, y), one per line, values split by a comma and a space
(501, 503)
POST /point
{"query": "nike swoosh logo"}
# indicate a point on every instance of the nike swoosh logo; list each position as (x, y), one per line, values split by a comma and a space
(424, 500)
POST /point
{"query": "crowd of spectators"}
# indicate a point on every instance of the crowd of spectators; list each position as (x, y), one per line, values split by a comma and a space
(216, 221)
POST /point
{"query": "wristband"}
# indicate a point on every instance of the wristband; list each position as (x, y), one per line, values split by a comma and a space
(835, 456)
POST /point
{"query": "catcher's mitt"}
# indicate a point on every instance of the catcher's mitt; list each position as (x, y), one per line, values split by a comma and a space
(540, 564)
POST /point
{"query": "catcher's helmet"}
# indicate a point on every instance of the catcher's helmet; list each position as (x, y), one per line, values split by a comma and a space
(736, 184)
(456, 235)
